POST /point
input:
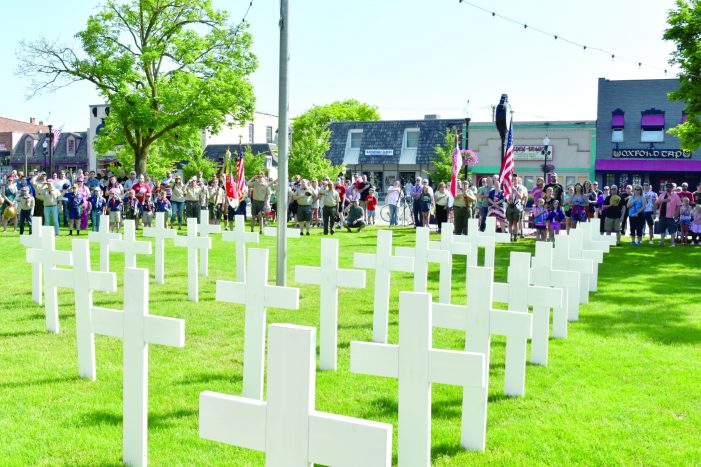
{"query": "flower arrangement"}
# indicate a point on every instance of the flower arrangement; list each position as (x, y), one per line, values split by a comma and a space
(469, 156)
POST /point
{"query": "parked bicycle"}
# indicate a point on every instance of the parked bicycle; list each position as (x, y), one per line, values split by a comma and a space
(404, 212)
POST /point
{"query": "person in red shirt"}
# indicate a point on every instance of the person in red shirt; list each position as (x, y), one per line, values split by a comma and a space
(371, 203)
(685, 193)
(142, 191)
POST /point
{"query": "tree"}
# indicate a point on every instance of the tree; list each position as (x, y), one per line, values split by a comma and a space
(253, 164)
(684, 31)
(311, 137)
(169, 70)
(199, 163)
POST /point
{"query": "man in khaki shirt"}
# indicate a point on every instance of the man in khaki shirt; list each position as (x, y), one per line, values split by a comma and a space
(330, 200)
(260, 194)
(48, 193)
(193, 192)
(304, 196)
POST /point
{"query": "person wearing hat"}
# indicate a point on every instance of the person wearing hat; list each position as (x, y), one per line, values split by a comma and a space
(9, 193)
(668, 204)
(84, 193)
(97, 205)
(50, 196)
(25, 203)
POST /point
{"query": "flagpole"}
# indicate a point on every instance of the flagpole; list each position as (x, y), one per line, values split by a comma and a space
(283, 104)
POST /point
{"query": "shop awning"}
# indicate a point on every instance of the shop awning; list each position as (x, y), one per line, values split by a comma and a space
(658, 165)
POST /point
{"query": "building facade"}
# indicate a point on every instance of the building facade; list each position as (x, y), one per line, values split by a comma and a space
(403, 149)
(11, 132)
(633, 144)
(70, 151)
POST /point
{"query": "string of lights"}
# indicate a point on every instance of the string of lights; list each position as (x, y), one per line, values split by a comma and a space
(558, 37)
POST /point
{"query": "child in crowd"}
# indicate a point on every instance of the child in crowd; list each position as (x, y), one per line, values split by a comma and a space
(540, 215)
(163, 205)
(114, 207)
(555, 217)
(131, 206)
(147, 210)
(96, 206)
(74, 202)
(25, 203)
(371, 203)
(685, 220)
(696, 226)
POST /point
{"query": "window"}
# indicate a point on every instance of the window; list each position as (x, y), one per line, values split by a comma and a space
(268, 134)
(28, 146)
(250, 133)
(411, 138)
(617, 119)
(529, 182)
(652, 126)
(570, 180)
(610, 180)
(617, 135)
(637, 179)
(355, 136)
(70, 146)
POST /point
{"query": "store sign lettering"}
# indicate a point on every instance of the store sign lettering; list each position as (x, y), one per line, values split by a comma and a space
(379, 152)
(531, 152)
(650, 154)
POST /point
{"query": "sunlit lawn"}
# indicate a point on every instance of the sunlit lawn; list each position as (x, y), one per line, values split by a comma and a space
(624, 388)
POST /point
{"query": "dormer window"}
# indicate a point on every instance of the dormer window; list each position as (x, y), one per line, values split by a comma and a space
(29, 144)
(70, 146)
(355, 137)
(617, 124)
(652, 126)
(411, 138)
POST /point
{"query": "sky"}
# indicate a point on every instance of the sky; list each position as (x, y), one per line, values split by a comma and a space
(407, 57)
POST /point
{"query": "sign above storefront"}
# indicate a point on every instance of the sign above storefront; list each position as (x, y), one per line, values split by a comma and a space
(379, 152)
(650, 154)
(531, 153)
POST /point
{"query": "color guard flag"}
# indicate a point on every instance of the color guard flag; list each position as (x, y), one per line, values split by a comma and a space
(507, 166)
(240, 172)
(457, 165)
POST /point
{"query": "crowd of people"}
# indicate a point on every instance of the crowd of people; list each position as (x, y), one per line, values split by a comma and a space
(80, 199)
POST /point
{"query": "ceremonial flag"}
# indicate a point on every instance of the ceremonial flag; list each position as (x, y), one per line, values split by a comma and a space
(229, 184)
(240, 172)
(56, 135)
(507, 166)
(457, 165)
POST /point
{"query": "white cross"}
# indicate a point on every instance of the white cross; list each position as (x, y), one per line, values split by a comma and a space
(34, 241)
(49, 257)
(519, 295)
(454, 246)
(103, 237)
(481, 240)
(160, 233)
(545, 272)
(241, 237)
(204, 229)
(416, 364)
(129, 245)
(593, 240)
(384, 263)
(137, 328)
(330, 278)
(258, 296)
(563, 257)
(272, 232)
(287, 427)
(578, 251)
(84, 281)
(490, 230)
(423, 254)
(480, 321)
(194, 244)
(596, 235)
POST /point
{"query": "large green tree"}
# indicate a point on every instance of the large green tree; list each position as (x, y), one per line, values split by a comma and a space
(311, 137)
(685, 32)
(169, 69)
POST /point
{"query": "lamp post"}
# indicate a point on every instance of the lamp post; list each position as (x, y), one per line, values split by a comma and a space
(467, 112)
(51, 150)
(500, 121)
(546, 153)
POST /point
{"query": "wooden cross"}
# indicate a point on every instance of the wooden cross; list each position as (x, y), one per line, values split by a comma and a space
(137, 328)
(204, 228)
(545, 272)
(384, 263)
(423, 254)
(33, 240)
(241, 237)
(480, 321)
(416, 364)
(129, 245)
(49, 257)
(490, 230)
(194, 244)
(84, 281)
(519, 295)
(454, 246)
(287, 427)
(563, 257)
(596, 235)
(258, 296)
(329, 277)
(593, 240)
(103, 237)
(578, 251)
(160, 233)
(481, 240)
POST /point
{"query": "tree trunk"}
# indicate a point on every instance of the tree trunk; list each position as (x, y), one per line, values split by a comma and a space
(140, 160)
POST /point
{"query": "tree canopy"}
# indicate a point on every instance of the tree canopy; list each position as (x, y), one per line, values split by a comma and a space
(685, 31)
(311, 137)
(169, 69)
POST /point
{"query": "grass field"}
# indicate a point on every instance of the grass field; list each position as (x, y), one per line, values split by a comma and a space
(624, 388)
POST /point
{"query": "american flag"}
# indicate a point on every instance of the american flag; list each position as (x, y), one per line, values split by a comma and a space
(240, 172)
(457, 165)
(56, 135)
(507, 166)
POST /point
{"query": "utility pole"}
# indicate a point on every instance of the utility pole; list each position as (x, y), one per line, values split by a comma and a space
(283, 123)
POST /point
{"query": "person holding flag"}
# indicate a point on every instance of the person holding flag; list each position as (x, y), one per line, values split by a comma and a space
(505, 182)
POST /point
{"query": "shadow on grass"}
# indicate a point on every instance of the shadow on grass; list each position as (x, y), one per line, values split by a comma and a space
(445, 450)
(21, 333)
(39, 382)
(209, 377)
(104, 417)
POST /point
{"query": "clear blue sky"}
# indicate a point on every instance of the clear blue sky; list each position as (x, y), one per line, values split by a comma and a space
(408, 57)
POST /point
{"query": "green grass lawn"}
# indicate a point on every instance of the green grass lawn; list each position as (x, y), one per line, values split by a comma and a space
(624, 388)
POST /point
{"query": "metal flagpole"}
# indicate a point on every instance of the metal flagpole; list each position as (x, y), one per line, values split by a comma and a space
(283, 123)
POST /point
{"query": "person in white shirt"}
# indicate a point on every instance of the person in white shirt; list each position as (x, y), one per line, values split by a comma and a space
(394, 194)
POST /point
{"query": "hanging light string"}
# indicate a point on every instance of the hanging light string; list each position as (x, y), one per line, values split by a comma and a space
(560, 38)
(238, 26)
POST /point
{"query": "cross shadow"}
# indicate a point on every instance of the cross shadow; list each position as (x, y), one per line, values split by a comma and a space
(209, 377)
(21, 333)
(39, 382)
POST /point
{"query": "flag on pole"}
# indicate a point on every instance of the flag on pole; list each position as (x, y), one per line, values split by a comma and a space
(230, 186)
(240, 172)
(457, 165)
(507, 166)
(56, 136)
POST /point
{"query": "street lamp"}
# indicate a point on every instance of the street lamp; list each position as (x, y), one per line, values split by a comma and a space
(546, 153)
(467, 113)
(48, 149)
(500, 121)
